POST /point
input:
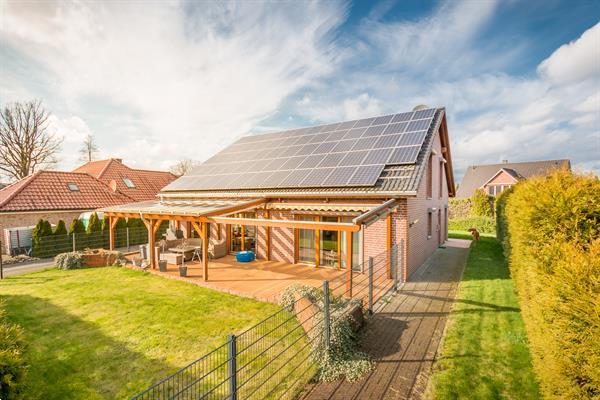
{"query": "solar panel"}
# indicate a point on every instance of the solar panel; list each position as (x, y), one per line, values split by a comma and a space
(366, 176)
(339, 154)
(339, 177)
(316, 176)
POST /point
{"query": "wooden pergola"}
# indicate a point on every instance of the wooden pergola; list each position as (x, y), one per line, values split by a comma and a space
(200, 215)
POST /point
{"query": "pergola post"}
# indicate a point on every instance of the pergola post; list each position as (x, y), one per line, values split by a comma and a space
(268, 239)
(388, 245)
(317, 245)
(349, 263)
(112, 222)
(152, 243)
(205, 251)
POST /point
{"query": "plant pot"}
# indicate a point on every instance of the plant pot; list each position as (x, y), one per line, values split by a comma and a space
(182, 271)
(162, 265)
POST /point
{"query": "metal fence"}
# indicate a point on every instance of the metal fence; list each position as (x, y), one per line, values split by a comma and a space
(273, 359)
(125, 239)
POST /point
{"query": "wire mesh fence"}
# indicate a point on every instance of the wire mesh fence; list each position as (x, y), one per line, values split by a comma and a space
(275, 358)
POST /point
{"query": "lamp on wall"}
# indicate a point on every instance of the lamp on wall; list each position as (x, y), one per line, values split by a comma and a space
(410, 224)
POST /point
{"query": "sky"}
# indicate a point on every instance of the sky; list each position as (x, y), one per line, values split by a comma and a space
(159, 81)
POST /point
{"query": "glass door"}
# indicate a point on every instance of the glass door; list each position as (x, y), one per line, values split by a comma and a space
(243, 237)
(329, 245)
(356, 247)
(306, 242)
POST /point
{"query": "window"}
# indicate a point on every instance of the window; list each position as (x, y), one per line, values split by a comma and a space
(129, 183)
(73, 187)
(429, 225)
(429, 176)
(440, 188)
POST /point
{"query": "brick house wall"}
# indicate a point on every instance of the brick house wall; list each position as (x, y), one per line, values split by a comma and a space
(282, 239)
(16, 220)
(420, 246)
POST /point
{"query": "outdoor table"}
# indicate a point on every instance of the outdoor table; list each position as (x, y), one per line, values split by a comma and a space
(187, 251)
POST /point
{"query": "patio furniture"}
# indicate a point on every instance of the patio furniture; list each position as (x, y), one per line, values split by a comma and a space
(217, 249)
(245, 256)
(197, 251)
(186, 251)
(172, 258)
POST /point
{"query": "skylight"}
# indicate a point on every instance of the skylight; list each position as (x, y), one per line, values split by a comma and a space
(128, 183)
(73, 187)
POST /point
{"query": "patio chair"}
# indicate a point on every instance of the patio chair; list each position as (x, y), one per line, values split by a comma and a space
(217, 249)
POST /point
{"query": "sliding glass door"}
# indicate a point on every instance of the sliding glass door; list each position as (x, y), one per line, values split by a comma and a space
(356, 247)
(329, 245)
(306, 242)
(242, 237)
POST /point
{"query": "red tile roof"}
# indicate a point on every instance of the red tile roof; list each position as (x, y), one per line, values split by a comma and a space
(49, 190)
(147, 183)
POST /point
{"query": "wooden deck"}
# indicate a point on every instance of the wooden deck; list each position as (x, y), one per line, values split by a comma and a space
(262, 280)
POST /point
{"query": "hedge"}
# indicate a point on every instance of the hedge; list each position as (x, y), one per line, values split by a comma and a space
(550, 228)
(13, 366)
(482, 224)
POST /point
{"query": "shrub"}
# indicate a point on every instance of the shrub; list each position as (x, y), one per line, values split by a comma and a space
(71, 260)
(94, 224)
(13, 366)
(552, 237)
(459, 208)
(482, 224)
(42, 229)
(501, 224)
(342, 359)
(61, 228)
(77, 226)
(481, 204)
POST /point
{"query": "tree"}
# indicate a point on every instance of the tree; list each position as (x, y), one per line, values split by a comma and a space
(25, 143)
(182, 167)
(77, 226)
(61, 228)
(88, 149)
(94, 224)
(481, 204)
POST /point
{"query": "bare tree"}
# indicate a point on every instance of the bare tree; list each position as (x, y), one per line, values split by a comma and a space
(25, 143)
(182, 167)
(88, 149)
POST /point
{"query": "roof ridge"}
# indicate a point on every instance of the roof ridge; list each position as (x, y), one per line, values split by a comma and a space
(103, 170)
(108, 186)
(520, 162)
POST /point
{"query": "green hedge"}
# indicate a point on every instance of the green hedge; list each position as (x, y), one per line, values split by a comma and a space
(551, 232)
(482, 224)
(13, 366)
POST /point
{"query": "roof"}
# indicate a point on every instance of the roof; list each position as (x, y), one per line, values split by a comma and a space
(146, 183)
(243, 168)
(49, 190)
(477, 175)
(194, 208)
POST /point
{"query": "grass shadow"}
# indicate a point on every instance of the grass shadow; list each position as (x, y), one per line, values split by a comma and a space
(71, 358)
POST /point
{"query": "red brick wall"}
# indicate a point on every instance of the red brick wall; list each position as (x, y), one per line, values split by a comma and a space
(420, 247)
(282, 239)
(28, 219)
(261, 236)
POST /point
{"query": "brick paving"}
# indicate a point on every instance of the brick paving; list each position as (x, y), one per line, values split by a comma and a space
(403, 338)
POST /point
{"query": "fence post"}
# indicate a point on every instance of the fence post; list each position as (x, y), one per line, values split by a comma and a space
(370, 285)
(74, 245)
(326, 320)
(232, 366)
(127, 235)
(393, 266)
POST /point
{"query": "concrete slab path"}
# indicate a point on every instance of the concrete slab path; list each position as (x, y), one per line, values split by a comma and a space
(403, 338)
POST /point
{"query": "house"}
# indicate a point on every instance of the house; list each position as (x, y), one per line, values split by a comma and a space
(329, 196)
(62, 195)
(494, 178)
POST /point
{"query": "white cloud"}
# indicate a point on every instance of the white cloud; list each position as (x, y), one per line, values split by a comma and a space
(575, 61)
(197, 75)
(71, 131)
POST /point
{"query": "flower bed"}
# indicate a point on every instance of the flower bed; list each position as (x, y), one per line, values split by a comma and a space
(89, 258)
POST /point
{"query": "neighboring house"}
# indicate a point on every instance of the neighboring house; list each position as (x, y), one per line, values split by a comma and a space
(296, 196)
(56, 195)
(140, 184)
(495, 178)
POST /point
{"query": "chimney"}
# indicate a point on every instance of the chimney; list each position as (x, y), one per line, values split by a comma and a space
(504, 161)
(112, 185)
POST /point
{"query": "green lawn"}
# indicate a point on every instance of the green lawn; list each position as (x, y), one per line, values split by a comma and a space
(485, 353)
(106, 333)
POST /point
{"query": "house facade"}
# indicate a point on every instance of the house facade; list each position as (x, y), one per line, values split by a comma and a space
(328, 196)
(493, 179)
(65, 195)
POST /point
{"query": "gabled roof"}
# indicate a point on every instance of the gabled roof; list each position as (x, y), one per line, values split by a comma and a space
(510, 172)
(259, 165)
(146, 183)
(49, 190)
(477, 175)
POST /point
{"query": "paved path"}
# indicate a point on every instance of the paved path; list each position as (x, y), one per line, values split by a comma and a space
(403, 337)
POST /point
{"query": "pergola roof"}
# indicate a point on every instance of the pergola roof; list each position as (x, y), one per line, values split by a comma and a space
(192, 208)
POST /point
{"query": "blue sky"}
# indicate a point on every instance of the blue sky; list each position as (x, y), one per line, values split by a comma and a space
(159, 81)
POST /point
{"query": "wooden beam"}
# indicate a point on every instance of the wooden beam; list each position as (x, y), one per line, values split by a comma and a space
(243, 238)
(157, 225)
(228, 237)
(317, 244)
(205, 251)
(218, 227)
(268, 238)
(286, 223)
(147, 223)
(112, 222)
(198, 228)
(348, 264)
(339, 247)
(152, 244)
(388, 245)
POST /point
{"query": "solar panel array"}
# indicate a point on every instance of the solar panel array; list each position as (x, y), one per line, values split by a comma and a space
(351, 153)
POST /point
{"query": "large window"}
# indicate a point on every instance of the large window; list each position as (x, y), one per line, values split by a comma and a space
(356, 247)
(429, 225)
(243, 237)
(306, 242)
(441, 180)
(329, 244)
(429, 176)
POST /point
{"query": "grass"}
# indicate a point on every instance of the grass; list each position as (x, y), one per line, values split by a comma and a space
(485, 353)
(108, 333)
